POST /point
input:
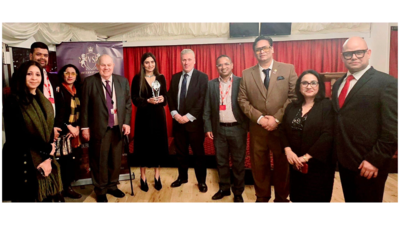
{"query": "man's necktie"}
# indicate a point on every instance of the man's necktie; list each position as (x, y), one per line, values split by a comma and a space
(344, 91)
(266, 80)
(109, 104)
(183, 94)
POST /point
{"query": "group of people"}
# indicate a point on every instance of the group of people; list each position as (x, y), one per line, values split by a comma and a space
(287, 115)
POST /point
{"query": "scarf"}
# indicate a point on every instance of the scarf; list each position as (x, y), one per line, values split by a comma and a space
(40, 124)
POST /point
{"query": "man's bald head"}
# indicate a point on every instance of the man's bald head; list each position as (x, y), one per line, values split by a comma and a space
(105, 65)
(355, 54)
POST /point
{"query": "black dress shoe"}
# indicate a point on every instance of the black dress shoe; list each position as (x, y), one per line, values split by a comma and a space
(220, 194)
(69, 192)
(143, 185)
(178, 182)
(157, 184)
(202, 187)
(101, 198)
(238, 198)
(116, 193)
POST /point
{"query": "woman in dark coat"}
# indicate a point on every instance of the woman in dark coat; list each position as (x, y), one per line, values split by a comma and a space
(307, 138)
(29, 164)
(70, 92)
(150, 141)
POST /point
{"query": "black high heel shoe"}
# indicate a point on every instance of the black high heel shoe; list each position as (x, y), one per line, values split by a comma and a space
(143, 185)
(157, 184)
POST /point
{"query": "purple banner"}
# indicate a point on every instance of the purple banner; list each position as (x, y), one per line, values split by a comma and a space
(84, 55)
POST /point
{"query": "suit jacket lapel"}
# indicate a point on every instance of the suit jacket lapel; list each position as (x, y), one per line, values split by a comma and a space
(255, 72)
(235, 87)
(273, 77)
(118, 93)
(363, 80)
(99, 86)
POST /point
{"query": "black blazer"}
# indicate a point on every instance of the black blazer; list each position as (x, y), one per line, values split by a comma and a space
(317, 137)
(94, 113)
(194, 101)
(211, 106)
(366, 125)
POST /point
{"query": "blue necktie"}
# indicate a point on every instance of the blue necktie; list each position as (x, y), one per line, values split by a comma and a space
(183, 94)
(266, 80)
(109, 104)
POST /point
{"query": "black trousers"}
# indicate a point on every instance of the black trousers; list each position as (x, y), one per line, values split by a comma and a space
(183, 139)
(231, 141)
(105, 160)
(359, 189)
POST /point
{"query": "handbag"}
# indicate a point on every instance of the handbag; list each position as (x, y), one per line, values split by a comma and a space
(63, 146)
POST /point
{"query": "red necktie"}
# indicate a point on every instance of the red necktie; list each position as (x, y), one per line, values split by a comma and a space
(344, 91)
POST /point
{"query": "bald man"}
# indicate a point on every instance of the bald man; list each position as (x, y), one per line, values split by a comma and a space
(365, 104)
(106, 117)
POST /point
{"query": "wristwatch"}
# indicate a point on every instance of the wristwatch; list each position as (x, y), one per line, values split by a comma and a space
(277, 121)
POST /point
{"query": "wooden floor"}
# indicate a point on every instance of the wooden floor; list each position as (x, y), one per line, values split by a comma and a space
(189, 192)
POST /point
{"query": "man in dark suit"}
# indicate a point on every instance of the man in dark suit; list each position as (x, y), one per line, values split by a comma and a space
(186, 103)
(51, 86)
(106, 116)
(365, 104)
(265, 91)
(226, 125)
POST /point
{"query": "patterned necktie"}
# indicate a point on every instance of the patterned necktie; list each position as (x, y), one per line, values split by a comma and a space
(266, 80)
(344, 91)
(183, 94)
(109, 104)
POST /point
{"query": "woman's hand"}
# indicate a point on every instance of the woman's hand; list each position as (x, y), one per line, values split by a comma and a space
(160, 99)
(53, 148)
(74, 131)
(152, 101)
(46, 166)
(292, 158)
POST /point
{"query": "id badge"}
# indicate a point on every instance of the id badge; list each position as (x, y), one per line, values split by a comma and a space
(222, 107)
(51, 100)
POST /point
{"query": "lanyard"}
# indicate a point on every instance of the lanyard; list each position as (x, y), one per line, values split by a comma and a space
(226, 93)
(112, 91)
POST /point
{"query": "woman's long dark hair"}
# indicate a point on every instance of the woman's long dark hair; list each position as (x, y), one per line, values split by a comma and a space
(321, 84)
(143, 86)
(77, 82)
(18, 82)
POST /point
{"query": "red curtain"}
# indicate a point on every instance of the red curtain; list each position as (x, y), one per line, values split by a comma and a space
(320, 55)
(393, 67)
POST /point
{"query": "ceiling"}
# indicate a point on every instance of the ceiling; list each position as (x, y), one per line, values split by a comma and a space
(106, 30)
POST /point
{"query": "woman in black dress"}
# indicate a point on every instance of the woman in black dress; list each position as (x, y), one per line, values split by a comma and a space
(29, 167)
(70, 92)
(150, 141)
(307, 138)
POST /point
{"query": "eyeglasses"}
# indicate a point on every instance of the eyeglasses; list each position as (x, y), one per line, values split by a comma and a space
(264, 48)
(70, 73)
(359, 54)
(313, 84)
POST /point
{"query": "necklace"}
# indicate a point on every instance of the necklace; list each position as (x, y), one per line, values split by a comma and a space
(149, 76)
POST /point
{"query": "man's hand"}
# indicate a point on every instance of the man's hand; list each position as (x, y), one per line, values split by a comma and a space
(184, 119)
(86, 134)
(210, 135)
(368, 170)
(264, 122)
(57, 131)
(271, 124)
(126, 129)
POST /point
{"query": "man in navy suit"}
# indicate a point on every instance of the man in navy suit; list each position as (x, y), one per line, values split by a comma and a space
(365, 104)
(186, 103)
(226, 125)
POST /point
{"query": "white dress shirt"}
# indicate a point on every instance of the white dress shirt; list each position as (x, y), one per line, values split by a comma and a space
(356, 75)
(174, 112)
(262, 74)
